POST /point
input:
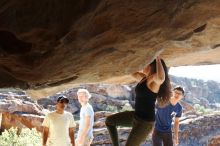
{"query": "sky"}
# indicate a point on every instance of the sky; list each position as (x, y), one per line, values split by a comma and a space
(204, 72)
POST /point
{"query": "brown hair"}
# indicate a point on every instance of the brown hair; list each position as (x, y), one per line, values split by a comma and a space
(164, 92)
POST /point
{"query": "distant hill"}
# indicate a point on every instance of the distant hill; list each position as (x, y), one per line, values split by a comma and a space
(202, 92)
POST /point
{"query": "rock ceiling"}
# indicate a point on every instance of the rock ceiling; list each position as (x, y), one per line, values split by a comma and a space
(49, 43)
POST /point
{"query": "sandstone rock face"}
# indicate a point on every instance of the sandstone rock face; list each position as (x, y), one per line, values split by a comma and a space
(104, 97)
(18, 104)
(21, 121)
(20, 111)
(200, 130)
(215, 141)
(48, 43)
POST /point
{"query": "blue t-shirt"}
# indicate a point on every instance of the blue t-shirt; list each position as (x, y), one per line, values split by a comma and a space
(86, 110)
(165, 115)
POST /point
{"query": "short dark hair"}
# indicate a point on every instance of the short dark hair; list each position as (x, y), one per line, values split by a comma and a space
(180, 89)
(62, 98)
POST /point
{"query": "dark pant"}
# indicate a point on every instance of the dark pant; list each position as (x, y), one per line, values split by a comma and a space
(162, 137)
(139, 132)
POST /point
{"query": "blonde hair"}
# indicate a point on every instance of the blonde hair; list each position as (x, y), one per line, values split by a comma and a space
(88, 95)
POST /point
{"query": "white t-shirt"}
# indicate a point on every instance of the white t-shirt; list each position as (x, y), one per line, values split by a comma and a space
(86, 110)
(59, 125)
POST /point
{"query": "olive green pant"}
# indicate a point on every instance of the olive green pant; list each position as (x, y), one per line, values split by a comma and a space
(139, 132)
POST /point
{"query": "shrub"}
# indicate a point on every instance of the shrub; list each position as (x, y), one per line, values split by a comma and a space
(202, 110)
(111, 108)
(127, 107)
(27, 137)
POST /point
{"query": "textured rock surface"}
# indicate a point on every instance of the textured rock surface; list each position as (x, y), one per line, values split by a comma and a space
(21, 121)
(48, 43)
(215, 141)
(104, 97)
(19, 104)
(19, 110)
(197, 131)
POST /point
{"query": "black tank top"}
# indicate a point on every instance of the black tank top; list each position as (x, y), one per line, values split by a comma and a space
(145, 101)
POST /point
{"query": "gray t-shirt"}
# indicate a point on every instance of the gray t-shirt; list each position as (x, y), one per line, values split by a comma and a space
(86, 110)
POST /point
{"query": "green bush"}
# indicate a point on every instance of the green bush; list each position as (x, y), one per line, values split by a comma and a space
(27, 137)
(202, 110)
(127, 107)
(111, 108)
